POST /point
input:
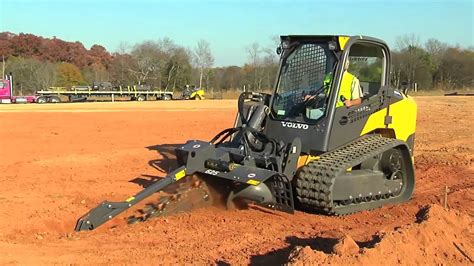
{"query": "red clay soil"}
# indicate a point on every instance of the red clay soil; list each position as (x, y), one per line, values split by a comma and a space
(58, 161)
(438, 237)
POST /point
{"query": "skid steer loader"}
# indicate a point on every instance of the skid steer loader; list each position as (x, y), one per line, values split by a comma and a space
(287, 153)
(192, 93)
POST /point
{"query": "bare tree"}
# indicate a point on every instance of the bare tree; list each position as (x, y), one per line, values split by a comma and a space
(254, 51)
(178, 68)
(45, 75)
(436, 50)
(270, 62)
(146, 60)
(30, 74)
(409, 46)
(119, 68)
(203, 59)
(407, 40)
(164, 64)
(270, 50)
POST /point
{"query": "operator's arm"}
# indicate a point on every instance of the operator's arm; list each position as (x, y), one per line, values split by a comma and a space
(326, 86)
(308, 97)
(354, 102)
(356, 94)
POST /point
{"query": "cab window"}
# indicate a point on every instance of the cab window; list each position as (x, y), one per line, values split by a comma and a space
(367, 62)
(303, 73)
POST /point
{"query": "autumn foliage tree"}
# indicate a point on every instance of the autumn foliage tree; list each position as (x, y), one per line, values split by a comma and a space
(69, 75)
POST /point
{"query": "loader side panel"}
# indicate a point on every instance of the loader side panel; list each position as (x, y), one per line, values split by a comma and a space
(396, 119)
(403, 119)
(349, 123)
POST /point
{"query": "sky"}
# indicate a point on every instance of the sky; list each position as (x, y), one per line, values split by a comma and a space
(231, 25)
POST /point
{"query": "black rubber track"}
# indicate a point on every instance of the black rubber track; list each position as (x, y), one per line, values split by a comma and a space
(315, 181)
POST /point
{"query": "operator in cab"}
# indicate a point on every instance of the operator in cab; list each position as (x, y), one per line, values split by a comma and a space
(350, 92)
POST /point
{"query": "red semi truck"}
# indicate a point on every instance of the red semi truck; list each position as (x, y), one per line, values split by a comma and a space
(6, 93)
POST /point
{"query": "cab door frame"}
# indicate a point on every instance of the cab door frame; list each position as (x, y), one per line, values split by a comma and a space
(346, 124)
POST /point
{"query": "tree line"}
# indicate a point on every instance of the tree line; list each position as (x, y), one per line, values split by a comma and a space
(40, 63)
(432, 65)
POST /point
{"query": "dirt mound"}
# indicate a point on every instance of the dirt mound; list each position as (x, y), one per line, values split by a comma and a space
(345, 245)
(437, 237)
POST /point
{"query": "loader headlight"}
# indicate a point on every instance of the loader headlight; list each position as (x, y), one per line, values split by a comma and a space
(283, 46)
(278, 50)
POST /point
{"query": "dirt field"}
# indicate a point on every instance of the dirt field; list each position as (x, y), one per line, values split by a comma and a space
(58, 161)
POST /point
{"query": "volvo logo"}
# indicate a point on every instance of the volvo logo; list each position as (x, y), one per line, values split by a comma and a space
(294, 125)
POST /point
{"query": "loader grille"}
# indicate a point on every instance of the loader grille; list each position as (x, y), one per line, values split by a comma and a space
(303, 72)
(306, 67)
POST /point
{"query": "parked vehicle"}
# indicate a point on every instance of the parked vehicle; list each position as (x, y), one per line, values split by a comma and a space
(192, 93)
(80, 88)
(102, 86)
(6, 92)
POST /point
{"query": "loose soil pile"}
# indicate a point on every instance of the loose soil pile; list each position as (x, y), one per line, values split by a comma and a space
(58, 161)
(438, 236)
